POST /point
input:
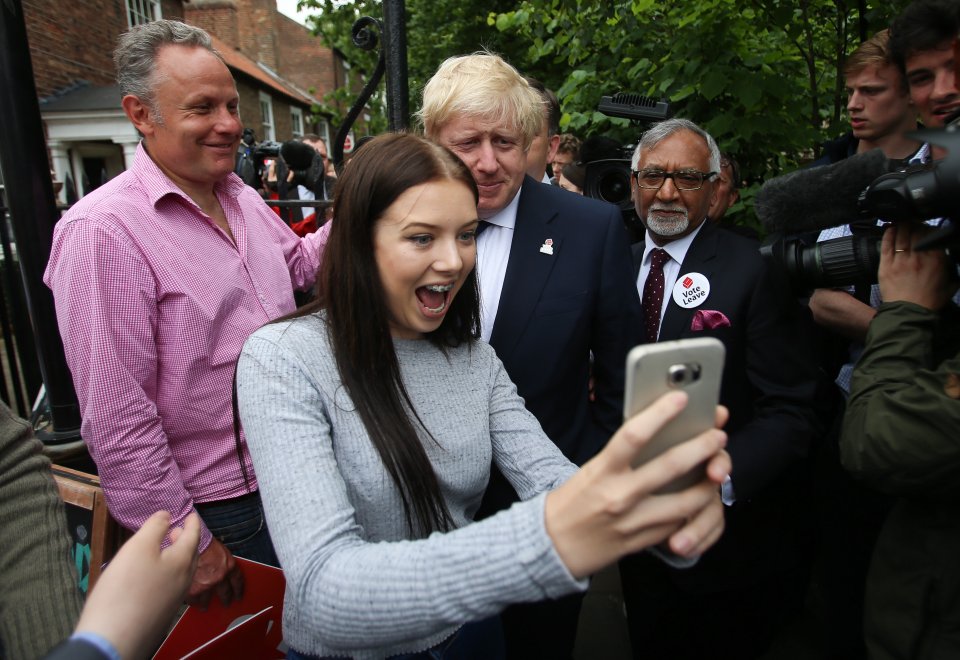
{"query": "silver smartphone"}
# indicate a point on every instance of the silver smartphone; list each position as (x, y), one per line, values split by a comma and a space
(692, 365)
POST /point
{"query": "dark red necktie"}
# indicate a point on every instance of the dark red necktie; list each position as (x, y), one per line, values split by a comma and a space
(653, 293)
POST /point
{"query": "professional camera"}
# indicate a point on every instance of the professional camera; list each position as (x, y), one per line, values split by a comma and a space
(607, 162)
(908, 193)
(305, 162)
(837, 262)
(313, 177)
(252, 156)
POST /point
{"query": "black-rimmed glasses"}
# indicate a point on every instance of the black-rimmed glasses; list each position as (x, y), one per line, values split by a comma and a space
(683, 180)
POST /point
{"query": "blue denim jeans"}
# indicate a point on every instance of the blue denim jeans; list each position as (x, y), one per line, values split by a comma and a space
(241, 526)
(480, 640)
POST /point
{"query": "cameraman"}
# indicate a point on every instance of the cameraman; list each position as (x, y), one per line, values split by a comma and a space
(311, 184)
(315, 183)
(900, 436)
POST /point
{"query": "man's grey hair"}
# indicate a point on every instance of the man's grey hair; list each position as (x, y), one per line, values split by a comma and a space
(135, 57)
(664, 129)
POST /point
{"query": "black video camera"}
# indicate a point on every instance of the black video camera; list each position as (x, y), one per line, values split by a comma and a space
(307, 165)
(252, 156)
(607, 162)
(916, 192)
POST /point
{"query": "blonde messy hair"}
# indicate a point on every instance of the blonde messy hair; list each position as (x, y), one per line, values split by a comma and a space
(481, 85)
(875, 51)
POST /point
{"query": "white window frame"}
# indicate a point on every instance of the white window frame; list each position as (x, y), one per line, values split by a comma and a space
(323, 130)
(296, 121)
(266, 112)
(143, 11)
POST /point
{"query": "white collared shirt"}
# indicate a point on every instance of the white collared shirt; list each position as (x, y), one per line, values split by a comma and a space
(493, 253)
(671, 270)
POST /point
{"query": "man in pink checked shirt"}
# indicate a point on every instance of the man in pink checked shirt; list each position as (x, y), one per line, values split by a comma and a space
(159, 277)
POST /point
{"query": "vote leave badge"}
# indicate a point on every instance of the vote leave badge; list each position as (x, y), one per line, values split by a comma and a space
(691, 290)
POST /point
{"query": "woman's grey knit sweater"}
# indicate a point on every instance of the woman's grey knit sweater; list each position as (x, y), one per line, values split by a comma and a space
(356, 585)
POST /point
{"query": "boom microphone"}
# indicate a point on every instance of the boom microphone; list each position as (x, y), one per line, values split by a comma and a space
(816, 198)
(297, 155)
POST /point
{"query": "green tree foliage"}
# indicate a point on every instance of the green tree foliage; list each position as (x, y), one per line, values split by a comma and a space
(762, 76)
(436, 30)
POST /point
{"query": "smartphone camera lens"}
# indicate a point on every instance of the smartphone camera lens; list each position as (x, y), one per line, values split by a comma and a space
(679, 375)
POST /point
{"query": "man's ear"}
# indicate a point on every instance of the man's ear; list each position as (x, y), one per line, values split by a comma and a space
(553, 143)
(138, 113)
(714, 192)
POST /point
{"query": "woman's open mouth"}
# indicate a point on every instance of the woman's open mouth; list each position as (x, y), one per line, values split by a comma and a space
(434, 297)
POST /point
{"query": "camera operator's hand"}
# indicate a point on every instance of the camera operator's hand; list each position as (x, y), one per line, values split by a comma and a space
(920, 277)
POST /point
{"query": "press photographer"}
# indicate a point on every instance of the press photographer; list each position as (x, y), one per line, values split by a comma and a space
(294, 170)
(310, 184)
(253, 158)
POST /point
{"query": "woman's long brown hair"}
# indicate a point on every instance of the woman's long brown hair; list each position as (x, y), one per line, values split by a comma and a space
(351, 293)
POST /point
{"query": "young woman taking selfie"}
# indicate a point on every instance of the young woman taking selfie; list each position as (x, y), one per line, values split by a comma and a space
(373, 417)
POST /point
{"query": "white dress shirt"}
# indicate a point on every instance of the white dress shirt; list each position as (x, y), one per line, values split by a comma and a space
(493, 253)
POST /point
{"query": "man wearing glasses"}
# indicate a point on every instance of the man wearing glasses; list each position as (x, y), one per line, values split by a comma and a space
(698, 280)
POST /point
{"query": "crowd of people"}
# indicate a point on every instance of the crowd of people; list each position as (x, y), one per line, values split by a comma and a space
(434, 449)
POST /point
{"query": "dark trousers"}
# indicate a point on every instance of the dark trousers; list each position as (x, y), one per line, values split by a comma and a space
(738, 623)
(240, 525)
(547, 629)
(849, 519)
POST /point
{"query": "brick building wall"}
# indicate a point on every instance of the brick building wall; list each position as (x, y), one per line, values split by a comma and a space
(74, 42)
(304, 60)
(251, 116)
(217, 17)
(74, 45)
(257, 30)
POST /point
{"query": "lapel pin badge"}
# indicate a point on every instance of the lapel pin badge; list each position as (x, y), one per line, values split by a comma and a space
(691, 290)
(547, 247)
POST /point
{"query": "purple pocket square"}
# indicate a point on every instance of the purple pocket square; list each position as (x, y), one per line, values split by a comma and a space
(709, 319)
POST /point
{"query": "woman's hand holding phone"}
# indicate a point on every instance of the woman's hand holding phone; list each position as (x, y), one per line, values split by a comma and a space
(610, 509)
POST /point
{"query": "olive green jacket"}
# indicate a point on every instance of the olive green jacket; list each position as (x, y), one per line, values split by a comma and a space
(901, 435)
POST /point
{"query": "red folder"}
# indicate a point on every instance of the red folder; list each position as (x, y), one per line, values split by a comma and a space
(248, 628)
